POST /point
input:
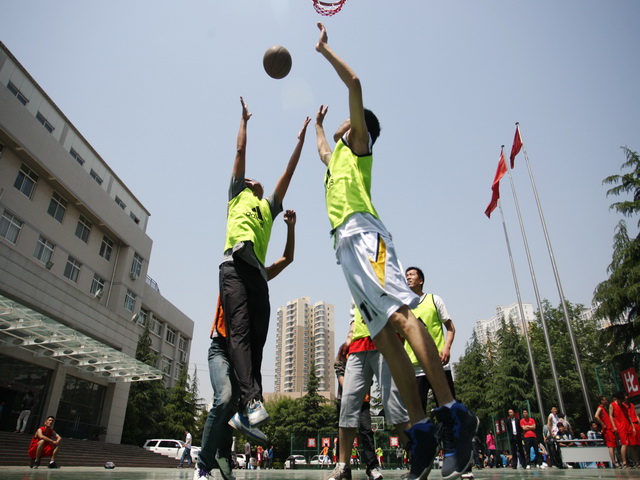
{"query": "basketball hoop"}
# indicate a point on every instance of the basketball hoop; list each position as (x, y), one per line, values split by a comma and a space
(328, 8)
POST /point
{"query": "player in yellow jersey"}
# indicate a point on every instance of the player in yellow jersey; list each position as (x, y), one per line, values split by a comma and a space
(366, 253)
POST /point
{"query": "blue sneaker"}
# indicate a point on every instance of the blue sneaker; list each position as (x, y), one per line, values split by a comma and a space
(256, 413)
(459, 426)
(241, 423)
(201, 474)
(423, 445)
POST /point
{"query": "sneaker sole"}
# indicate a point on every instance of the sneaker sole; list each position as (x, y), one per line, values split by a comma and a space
(258, 418)
(249, 433)
(457, 474)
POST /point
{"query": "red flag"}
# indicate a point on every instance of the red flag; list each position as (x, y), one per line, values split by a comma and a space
(495, 188)
(517, 145)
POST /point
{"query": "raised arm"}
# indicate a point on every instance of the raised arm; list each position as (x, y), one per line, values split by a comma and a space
(324, 150)
(358, 135)
(241, 146)
(287, 257)
(283, 183)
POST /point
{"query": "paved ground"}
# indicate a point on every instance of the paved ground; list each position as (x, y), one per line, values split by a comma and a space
(77, 473)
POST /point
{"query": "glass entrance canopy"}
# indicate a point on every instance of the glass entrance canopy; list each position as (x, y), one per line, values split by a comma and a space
(21, 327)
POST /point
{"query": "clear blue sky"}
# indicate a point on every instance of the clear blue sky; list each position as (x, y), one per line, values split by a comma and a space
(154, 87)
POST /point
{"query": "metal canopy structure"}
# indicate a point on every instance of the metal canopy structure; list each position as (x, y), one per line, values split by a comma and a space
(21, 327)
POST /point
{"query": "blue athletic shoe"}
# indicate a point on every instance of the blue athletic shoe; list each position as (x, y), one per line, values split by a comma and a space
(424, 446)
(241, 423)
(459, 426)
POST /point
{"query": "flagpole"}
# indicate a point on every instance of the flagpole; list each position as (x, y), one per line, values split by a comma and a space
(554, 373)
(524, 326)
(574, 345)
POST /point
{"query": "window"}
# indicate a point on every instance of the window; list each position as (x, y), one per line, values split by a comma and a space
(130, 301)
(170, 336)
(57, 207)
(10, 226)
(26, 180)
(106, 248)
(44, 250)
(83, 229)
(134, 218)
(120, 203)
(95, 176)
(136, 266)
(96, 284)
(21, 98)
(166, 365)
(156, 326)
(143, 317)
(182, 347)
(45, 123)
(72, 269)
(75, 155)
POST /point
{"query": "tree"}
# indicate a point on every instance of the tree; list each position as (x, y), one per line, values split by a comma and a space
(145, 407)
(473, 374)
(619, 296)
(181, 408)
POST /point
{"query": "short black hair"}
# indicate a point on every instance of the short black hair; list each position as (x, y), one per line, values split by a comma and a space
(419, 271)
(373, 125)
(51, 416)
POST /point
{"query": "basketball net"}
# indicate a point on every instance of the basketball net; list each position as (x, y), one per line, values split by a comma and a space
(328, 8)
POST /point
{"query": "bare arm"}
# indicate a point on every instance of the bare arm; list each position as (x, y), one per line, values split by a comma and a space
(55, 439)
(445, 355)
(283, 183)
(287, 257)
(597, 417)
(241, 146)
(613, 423)
(358, 135)
(324, 150)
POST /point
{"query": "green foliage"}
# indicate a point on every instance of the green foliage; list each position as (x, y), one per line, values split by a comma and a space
(619, 296)
(146, 400)
(180, 409)
(493, 377)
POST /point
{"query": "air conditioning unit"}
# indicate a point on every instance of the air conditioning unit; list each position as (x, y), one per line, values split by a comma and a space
(98, 294)
(49, 265)
(133, 276)
(135, 317)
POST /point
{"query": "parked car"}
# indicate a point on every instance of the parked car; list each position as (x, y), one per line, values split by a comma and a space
(241, 461)
(164, 446)
(317, 460)
(297, 459)
(170, 448)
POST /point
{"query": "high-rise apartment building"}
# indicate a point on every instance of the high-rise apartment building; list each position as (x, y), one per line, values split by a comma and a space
(304, 340)
(74, 290)
(487, 329)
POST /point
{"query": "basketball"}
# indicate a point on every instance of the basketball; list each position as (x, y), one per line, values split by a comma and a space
(277, 62)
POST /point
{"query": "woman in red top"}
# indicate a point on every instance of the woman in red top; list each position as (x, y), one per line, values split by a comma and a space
(621, 425)
(609, 436)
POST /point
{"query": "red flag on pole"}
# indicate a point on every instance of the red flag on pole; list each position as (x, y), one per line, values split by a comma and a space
(495, 188)
(517, 145)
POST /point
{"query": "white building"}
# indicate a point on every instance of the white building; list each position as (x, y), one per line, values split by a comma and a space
(487, 329)
(74, 291)
(304, 340)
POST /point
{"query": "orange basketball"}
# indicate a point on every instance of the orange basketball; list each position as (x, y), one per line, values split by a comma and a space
(277, 62)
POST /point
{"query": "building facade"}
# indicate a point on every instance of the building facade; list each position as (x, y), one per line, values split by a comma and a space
(304, 340)
(487, 329)
(74, 290)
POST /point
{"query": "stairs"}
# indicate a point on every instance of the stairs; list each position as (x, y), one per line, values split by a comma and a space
(82, 453)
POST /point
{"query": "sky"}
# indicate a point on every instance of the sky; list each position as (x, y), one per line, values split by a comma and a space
(154, 87)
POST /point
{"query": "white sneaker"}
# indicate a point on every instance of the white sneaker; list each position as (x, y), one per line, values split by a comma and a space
(200, 474)
(467, 475)
(374, 473)
(256, 413)
(528, 467)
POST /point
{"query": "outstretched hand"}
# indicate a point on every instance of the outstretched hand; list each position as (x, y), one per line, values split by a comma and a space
(322, 111)
(290, 217)
(303, 131)
(324, 38)
(245, 110)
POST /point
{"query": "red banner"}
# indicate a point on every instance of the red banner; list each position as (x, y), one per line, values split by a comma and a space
(630, 381)
(311, 443)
